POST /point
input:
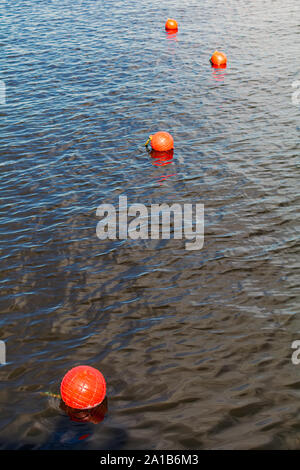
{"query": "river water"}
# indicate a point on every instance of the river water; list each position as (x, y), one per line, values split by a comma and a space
(195, 345)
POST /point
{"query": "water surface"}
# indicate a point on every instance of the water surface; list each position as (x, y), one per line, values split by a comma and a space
(195, 345)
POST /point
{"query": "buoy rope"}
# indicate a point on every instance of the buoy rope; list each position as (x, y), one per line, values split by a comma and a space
(149, 140)
(49, 394)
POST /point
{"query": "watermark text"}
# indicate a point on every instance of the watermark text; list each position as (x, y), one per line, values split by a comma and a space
(160, 221)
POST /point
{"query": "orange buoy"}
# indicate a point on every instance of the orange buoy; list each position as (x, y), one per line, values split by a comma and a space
(161, 141)
(83, 387)
(218, 59)
(171, 25)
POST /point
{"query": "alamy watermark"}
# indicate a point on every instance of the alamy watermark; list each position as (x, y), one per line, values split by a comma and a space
(137, 221)
(2, 92)
(296, 93)
(295, 358)
(2, 353)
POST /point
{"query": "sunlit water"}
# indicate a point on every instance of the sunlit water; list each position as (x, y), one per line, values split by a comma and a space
(195, 345)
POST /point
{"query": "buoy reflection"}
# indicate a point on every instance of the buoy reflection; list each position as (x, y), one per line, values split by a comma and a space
(93, 415)
(161, 158)
(171, 35)
(218, 73)
(164, 178)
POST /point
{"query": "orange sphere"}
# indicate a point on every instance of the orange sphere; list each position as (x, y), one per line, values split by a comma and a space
(171, 24)
(218, 59)
(162, 141)
(83, 387)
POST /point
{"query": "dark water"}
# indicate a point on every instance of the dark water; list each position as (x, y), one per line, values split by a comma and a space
(195, 345)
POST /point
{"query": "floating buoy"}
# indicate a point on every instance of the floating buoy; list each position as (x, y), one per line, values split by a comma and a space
(171, 25)
(218, 59)
(83, 387)
(161, 141)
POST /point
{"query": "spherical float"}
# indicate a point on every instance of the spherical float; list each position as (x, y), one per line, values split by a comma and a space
(218, 59)
(83, 387)
(171, 25)
(161, 141)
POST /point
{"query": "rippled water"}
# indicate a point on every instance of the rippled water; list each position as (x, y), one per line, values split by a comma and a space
(195, 345)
